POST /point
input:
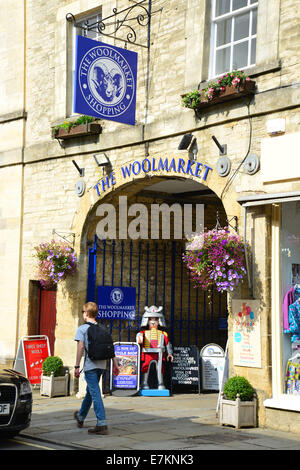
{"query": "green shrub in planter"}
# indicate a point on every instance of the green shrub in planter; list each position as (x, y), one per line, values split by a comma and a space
(53, 364)
(238, 385)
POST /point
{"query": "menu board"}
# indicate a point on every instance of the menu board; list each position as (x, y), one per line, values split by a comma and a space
(185, 367)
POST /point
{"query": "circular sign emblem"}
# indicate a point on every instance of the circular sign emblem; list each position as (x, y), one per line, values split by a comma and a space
(238, 337)
(116, 296)
(106, 81)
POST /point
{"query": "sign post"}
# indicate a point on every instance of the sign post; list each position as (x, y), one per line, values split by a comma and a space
(32, 351)
(127, 383)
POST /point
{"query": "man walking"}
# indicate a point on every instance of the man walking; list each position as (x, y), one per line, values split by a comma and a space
(93, 369)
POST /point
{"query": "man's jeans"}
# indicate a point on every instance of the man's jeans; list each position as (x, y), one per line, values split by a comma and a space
(93, 395)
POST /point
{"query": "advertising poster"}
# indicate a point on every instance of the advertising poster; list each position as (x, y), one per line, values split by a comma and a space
(35, 352)
(246, 333)
(127, 355)
(116, 303)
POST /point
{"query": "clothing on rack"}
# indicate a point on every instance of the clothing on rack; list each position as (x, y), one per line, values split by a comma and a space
(290, 298)
(294, 321)
(292, 378)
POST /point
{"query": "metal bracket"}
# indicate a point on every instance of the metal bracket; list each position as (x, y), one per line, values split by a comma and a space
(234, 217)
(65, 236)
(235, 226)
(126, 19)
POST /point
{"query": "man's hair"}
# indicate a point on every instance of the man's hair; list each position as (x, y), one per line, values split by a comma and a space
(91, 308)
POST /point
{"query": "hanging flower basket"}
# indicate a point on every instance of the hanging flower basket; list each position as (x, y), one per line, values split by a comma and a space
(216, 258)
(230, 86)
(56, 260)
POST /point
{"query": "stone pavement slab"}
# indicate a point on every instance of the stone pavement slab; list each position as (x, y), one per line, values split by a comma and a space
(180, 422)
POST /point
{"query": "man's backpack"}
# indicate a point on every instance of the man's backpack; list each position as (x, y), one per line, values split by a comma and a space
(100, 344)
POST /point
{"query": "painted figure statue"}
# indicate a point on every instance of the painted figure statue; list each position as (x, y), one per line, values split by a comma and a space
(155, 345)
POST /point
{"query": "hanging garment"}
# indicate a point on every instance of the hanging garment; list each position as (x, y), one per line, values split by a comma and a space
(289, 299)
(294, 321)
(292, 378)
(297, 291)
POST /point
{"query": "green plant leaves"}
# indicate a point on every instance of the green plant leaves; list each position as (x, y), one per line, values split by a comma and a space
(52, 364)
(238, 385)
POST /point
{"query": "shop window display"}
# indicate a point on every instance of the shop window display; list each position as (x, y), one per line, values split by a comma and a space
(290, 275)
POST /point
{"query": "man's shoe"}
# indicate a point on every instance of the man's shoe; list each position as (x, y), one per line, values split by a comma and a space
(102, 430)
(79, 423)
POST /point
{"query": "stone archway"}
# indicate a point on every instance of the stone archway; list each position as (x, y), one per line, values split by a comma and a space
(193, 319)
(72, 295)
(120, 180)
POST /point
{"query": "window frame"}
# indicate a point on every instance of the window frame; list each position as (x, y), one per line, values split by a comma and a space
(231, 15)
(76, 30)
(279, 400)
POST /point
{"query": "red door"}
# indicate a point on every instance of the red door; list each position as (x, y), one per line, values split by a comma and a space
(47, 317)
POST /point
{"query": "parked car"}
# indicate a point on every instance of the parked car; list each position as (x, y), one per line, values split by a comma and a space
(15, 402)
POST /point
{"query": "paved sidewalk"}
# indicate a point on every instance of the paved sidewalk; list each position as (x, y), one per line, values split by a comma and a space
(180, 422)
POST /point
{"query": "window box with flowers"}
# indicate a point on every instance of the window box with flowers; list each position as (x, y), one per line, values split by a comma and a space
(83, 126)
(56, 261)
(230, 86)
(216, 258)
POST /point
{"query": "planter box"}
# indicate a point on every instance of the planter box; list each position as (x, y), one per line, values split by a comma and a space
(238, 413)
(90, 128)
(245, 88)
(55, 386)
(230, 93)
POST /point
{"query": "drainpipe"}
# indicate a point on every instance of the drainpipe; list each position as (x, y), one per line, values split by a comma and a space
(147, 80)
(20, 268)
(250, 283)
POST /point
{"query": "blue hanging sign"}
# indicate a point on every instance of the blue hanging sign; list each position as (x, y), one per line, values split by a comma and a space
(105, 81)
(116, 303)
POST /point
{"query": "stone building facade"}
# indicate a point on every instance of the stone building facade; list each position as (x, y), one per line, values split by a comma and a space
(39, 202)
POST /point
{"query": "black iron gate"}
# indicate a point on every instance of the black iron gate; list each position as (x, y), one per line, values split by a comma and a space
(157, 271)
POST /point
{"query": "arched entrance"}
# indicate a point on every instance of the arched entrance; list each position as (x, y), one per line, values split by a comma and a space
(154, 267)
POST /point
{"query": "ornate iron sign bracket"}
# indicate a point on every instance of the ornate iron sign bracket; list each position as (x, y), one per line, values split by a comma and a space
(127, 19)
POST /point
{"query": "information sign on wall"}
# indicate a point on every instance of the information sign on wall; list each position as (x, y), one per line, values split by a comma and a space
(105, 81)
(246, 333)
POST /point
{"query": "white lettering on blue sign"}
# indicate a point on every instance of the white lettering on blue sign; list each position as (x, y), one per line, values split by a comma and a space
(105, 84)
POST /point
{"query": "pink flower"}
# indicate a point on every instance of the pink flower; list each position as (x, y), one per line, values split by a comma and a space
(235, 81)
